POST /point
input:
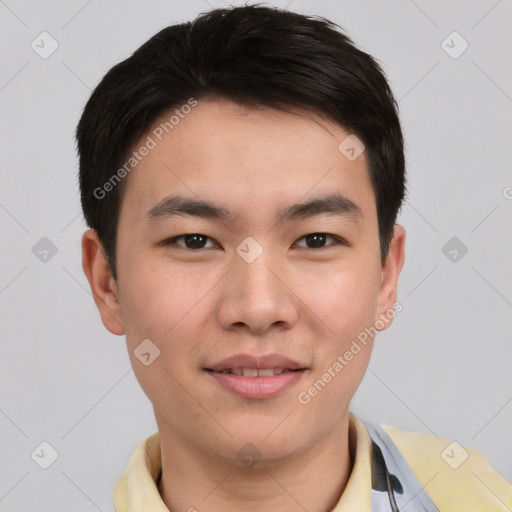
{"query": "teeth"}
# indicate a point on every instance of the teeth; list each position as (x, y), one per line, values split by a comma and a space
(255, 372)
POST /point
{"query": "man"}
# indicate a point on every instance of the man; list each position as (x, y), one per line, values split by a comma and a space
(242, 176)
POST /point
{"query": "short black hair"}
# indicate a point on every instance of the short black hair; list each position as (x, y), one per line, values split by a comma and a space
(257, 56)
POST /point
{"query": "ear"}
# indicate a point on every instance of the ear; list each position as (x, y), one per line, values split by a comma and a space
(103, 286)
(386, 305)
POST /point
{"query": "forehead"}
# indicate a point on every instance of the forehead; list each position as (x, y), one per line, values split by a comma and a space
(251, 158)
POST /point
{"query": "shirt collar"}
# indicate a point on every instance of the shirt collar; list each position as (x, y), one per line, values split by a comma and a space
(137, 490)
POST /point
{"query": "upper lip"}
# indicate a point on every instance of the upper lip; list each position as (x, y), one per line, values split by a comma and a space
(248, 361)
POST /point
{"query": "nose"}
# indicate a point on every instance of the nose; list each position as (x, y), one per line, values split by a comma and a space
(257, 297)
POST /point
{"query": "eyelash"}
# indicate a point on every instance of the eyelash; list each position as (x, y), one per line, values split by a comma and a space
(338, 241)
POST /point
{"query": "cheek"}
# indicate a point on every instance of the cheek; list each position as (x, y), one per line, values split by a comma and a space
(345, 300)
(161, 307)
(155, 299)
(166, 305)
(347, 306)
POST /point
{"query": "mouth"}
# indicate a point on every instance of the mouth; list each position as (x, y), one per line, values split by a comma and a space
(256, 377)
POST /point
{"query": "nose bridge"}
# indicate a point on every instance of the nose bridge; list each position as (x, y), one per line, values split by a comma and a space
(255, 273)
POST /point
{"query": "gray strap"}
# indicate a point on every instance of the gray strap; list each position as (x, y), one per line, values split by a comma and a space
(408, 490)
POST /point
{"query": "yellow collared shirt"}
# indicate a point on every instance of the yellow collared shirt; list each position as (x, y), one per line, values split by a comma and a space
(448, 477)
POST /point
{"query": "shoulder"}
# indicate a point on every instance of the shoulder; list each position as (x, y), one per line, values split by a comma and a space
(455, 477)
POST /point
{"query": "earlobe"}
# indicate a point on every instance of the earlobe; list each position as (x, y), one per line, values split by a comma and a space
(103, 286)
(389, 278)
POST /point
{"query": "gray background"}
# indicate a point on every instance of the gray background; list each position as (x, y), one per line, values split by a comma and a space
(443, 367)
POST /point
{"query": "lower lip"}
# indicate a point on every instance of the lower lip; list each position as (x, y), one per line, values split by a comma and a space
(257, 387)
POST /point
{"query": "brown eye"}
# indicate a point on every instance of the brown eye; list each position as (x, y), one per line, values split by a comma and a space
(317, 240)
(190, 241)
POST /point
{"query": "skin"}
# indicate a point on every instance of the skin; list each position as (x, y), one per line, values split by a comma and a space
(202, 305)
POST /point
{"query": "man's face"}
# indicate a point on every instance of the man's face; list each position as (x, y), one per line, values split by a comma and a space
(253, 284)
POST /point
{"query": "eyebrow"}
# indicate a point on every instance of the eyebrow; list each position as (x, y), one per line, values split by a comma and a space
(331, 204)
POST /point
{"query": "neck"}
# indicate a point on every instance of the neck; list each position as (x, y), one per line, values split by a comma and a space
(313, 481)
